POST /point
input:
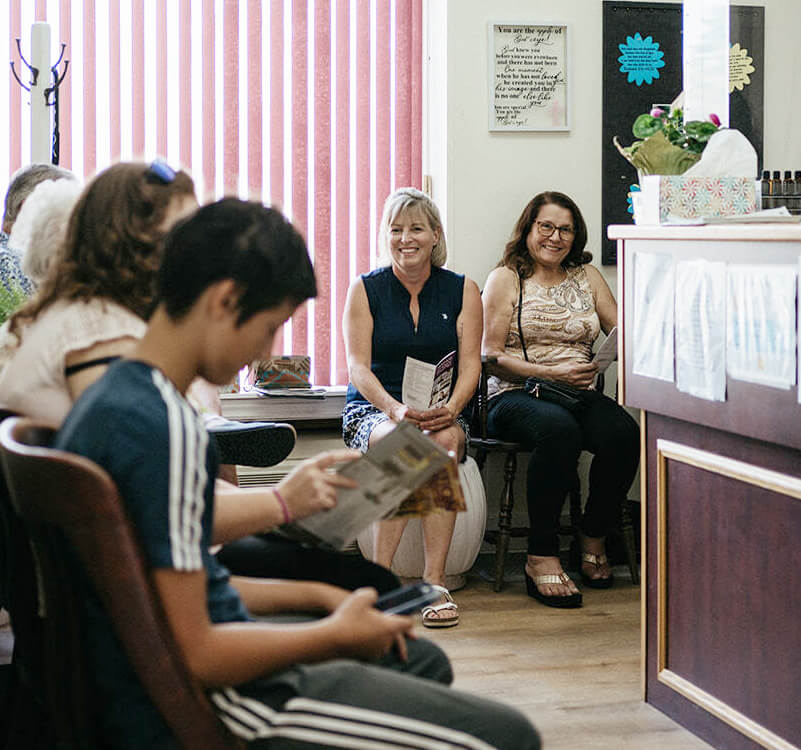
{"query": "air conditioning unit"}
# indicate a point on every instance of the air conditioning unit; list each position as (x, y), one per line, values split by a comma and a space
(309, 444)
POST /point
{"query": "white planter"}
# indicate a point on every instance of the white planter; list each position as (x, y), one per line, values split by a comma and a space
(467, 535)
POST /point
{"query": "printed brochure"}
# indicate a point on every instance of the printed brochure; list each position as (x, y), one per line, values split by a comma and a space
(426, 386)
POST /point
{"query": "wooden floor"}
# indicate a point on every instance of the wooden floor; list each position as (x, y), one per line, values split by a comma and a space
(574, 673)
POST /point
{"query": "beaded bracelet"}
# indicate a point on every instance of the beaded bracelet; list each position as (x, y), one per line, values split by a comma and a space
(284, 506)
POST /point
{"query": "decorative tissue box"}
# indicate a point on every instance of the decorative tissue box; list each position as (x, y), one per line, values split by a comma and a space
(666, 197)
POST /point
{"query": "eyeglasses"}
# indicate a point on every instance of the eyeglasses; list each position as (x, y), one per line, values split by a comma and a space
(160, 171)
(546, 229)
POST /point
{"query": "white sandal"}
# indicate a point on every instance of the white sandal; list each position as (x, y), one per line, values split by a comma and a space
(431, 612)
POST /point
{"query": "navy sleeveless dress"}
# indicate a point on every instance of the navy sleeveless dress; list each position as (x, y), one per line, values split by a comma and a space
(395, 338)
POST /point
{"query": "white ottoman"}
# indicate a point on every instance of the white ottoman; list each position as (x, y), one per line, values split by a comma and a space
(467, 536)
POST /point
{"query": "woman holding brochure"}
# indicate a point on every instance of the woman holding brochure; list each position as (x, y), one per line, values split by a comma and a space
(544, 306)
(415, 308)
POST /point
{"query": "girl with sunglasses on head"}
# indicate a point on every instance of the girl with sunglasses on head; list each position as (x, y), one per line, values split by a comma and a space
(544, 306)
(91, 308)
(92, 304)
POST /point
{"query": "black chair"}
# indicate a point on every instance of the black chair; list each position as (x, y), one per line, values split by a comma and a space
(23, 718)
(6, 533)
(61, 503)
(252, 443)
(483, 446)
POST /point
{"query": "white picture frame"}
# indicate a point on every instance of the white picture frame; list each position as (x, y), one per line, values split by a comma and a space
(529, 76)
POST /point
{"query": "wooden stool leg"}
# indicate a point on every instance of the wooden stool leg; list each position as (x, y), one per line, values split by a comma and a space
(627, 528)
(505, 518)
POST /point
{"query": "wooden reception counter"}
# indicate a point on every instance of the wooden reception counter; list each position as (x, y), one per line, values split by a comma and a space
(721, 517)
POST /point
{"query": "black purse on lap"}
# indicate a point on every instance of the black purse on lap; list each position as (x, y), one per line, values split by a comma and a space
(565, 396)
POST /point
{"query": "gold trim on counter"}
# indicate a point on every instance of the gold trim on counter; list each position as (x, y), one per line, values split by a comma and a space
(724, 712)
(743, 472)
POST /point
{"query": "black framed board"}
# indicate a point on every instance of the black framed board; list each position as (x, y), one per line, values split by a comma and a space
(643, 66)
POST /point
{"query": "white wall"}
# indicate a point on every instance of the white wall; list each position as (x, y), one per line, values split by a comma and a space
(489, 177)
(482, 180)
(782, 83)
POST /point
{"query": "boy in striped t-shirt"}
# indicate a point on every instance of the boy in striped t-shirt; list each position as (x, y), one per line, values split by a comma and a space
(231, 275)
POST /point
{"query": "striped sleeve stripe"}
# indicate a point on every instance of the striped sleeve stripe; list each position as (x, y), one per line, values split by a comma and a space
(185, 503)
(337, 725)
(197, 439)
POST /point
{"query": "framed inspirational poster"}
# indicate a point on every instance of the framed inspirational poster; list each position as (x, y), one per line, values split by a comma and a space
(528, 76)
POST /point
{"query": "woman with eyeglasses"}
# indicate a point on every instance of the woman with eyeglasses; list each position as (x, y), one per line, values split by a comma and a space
(544, 306)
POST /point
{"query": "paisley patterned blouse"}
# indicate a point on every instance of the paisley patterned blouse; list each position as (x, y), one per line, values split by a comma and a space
(559, 323)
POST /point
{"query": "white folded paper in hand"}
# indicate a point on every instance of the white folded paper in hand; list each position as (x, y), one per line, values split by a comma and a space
(426, 386)
(607, 352)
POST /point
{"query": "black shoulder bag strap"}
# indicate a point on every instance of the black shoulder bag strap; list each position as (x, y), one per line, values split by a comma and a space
(520, 314)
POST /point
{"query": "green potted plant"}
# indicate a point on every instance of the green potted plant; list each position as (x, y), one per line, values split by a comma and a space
(666, 144)
(11, 298)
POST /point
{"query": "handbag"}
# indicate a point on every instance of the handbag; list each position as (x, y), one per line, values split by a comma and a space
(566, 396)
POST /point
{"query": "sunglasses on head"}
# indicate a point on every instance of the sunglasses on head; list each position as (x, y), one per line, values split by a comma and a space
(160, 171)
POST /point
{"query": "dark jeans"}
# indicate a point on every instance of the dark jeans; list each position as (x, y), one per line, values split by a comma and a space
(274, 556)
(556, 437)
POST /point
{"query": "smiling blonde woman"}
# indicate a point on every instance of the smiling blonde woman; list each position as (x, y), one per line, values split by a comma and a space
(411, 307)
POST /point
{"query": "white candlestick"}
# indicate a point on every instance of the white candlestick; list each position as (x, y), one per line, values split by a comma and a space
(41, 150)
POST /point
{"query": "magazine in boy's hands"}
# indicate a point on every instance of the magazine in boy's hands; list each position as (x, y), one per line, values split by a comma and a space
(426, 386)
(391, 469)
(607, 352)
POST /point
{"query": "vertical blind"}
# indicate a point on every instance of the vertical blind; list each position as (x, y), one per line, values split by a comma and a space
(313, 106)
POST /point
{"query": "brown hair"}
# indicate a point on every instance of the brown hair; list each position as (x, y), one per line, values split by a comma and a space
(113, 245)
(516, 254)
(22, 184)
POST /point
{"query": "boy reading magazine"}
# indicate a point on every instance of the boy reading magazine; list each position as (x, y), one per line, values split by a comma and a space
(231, 275)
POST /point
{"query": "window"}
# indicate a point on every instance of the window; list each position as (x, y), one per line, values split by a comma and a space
(314, 106)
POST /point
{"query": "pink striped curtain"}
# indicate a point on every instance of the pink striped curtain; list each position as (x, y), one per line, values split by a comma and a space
(314, 107)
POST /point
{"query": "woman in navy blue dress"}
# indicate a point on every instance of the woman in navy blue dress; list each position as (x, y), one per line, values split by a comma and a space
(411, 307)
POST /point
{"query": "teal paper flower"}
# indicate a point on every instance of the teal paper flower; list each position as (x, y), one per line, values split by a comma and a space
(641, 59)
(632, 189)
